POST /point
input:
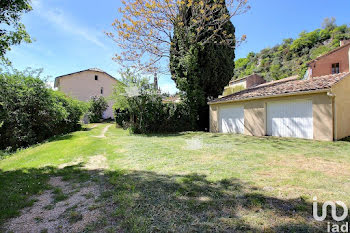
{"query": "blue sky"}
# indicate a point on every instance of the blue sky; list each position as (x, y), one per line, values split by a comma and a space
(69, 35)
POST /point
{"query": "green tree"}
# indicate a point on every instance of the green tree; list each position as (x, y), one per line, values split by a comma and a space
(201, 71)
(242, 62)
(130, 85)
(98, 104)
(145, 29)
(140, 108)
(12, 32)
(329, 23)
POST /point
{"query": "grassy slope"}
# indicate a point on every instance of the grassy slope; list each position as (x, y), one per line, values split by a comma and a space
(192, 181)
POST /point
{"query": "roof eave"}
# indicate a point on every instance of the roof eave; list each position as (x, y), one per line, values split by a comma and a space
(62, 76)
(272, 96)
(327, 54)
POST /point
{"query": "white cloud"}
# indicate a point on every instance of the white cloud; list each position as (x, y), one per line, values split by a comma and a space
(65, 23)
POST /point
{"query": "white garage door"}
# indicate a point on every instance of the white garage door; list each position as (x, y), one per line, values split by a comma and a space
(290, 119)
(231, 119)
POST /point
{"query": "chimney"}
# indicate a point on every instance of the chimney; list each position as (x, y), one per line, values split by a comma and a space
(344, 42)
(254, 80)
(155, 82)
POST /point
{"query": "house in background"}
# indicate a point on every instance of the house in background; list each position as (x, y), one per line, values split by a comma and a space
(84, 84)
(172, 99)
(243, 83)
(336, 61)
(317, 107)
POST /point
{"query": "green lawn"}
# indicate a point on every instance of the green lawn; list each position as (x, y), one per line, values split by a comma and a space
(187, 182)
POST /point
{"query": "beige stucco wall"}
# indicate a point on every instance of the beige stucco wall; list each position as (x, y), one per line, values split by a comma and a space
(213, 118)
(255, 115)
(323, 117)
(254, 118)
(83, 86)
(342, 107)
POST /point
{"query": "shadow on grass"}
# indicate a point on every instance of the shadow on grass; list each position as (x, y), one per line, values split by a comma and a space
(185, 134)
(150, 202)
(59, 138)
(164, 135)
(85, 129)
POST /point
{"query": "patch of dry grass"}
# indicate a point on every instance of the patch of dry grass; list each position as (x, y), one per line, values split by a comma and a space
(97, 162)
(317, 164)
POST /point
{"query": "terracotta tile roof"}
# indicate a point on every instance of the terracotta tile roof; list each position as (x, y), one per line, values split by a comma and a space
(289, 85)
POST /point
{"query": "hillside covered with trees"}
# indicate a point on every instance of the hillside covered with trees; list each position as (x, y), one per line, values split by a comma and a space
(291, 56)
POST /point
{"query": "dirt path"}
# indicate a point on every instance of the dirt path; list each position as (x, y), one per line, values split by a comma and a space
(104, 131)
(71, 205)
(67, 207)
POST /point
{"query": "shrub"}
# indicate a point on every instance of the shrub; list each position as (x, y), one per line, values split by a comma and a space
(98, 104)
(318, 51)
(150, 115)
(30, 112)
(141, 109)
(122, 118)
(74, 109)
(177, 118)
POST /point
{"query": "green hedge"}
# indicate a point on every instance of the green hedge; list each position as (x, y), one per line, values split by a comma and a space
(148, 114)
(30, 112)
(141, 109)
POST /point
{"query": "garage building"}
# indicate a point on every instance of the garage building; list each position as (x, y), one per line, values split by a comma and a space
(312, 108)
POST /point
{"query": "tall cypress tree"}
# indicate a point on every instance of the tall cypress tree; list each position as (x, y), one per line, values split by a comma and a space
(200, 71)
